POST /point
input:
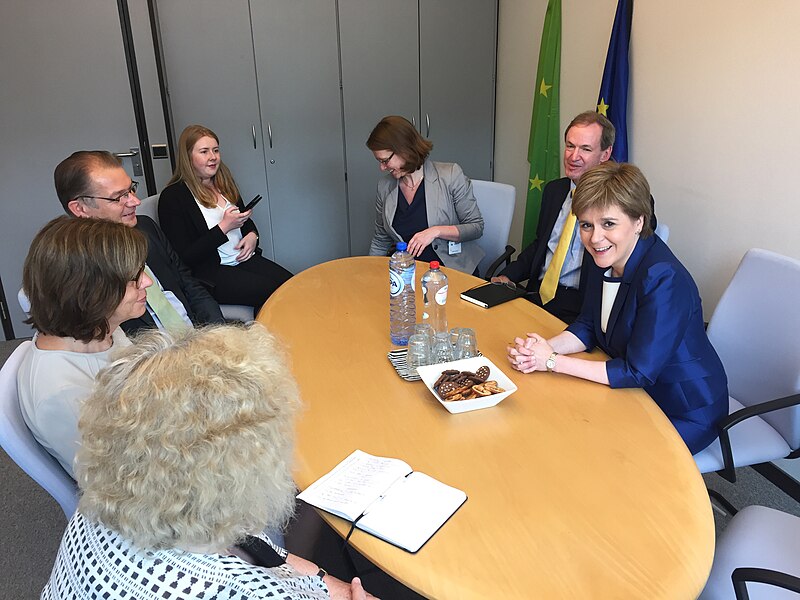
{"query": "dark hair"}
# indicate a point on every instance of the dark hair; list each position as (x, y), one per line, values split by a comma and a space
(398, 135)
(184, 171)
(591, 117)
(73, 175)
(76, 274)
(615, 184)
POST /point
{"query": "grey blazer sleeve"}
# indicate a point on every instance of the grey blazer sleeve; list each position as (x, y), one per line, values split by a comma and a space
(382, 239)
(470, 220)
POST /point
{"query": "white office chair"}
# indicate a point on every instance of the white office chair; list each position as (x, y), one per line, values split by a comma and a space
(149, 207)
(755, 329)
(235, 312)
(22, 447)
(759, 545)
(496, 201)
(662, 231)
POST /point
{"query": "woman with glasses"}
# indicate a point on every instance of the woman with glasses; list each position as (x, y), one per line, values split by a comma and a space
(642, 309)
(429, 205)
(83, 278)
(202, 214)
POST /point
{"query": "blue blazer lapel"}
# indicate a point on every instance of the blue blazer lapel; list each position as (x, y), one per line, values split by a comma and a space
(628, 275)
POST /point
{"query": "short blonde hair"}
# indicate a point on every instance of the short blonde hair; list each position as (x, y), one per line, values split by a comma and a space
(187, 440)
(615, 184)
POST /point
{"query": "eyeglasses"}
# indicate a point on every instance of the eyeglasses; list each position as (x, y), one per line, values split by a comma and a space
(509, 284)
(385, 161)
(121, 197)
(137, 279)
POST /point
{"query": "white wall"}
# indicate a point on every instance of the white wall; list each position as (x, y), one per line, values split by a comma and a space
(714, 88)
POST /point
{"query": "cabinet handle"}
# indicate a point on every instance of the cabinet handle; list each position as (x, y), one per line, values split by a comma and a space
(413, 121)
(269, 134)
(427, 125)
(133, 152)
(254, 137)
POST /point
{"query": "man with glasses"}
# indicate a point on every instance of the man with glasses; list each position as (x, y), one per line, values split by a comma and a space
(93, 184)
(557, 284)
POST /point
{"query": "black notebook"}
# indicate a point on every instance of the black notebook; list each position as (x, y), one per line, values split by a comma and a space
(492, 294)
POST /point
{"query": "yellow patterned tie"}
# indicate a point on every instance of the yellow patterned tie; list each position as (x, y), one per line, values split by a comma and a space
(166, 313)
(547, 291)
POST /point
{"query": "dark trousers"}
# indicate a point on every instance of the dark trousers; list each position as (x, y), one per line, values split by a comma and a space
(249, 283)
(566, 304)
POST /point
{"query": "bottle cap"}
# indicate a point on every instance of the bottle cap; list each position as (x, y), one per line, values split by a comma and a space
(434, 264)
(401, 246)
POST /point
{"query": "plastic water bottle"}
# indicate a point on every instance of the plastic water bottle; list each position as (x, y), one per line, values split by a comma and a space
(402, 298)
(434, 298)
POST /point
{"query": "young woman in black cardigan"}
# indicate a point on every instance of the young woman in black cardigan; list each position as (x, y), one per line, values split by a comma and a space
(202, 214)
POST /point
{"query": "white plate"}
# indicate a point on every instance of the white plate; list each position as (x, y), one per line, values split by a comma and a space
(430, 373)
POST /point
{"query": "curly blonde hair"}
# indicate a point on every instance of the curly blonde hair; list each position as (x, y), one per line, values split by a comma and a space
(187, 440)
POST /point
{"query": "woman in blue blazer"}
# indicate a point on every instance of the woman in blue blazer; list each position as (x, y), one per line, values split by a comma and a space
(642, 308)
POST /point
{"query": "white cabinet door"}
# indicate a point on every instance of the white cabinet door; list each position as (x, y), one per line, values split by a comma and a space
(380, 76)
(211, 81)
(458, 41)
(64, 88)
(297, 70)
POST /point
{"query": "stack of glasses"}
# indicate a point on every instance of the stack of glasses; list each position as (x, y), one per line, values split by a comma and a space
(425, 348)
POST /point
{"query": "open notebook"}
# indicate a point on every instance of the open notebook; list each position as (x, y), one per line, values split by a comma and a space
(386, 498)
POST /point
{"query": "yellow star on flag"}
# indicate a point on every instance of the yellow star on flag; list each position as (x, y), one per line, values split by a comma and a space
(536, 183)
(602, 108)
(543, 88)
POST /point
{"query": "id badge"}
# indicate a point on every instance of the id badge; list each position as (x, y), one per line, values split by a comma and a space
(453, 248)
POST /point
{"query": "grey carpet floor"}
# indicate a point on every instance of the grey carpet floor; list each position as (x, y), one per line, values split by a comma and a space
(31, 524)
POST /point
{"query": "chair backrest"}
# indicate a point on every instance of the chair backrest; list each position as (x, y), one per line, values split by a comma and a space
(662, 231)
(149, 207)
(755, 329)
(19, 443)
(496, 201)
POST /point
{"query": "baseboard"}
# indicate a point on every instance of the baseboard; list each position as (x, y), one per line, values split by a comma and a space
(779, 478)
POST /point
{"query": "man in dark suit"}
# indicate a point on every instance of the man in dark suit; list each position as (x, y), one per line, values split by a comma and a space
(93, 184)
(588, 142)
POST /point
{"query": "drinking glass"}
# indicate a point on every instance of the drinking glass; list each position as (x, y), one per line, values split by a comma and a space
(426, 329)
(467, 345)
(419, 352)
(442, 348)
(454, 331)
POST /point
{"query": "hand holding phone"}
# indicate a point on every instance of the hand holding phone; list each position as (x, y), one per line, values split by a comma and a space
(252, 203)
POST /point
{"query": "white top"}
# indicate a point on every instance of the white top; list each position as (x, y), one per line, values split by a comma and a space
(52, 384)
(227, 251)
(610, 289)
(95, 562)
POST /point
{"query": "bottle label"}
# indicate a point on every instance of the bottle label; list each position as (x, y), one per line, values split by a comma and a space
(441, 295)
(396, 284)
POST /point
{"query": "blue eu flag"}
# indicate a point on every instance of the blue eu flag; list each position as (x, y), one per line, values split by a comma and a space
(613, 99)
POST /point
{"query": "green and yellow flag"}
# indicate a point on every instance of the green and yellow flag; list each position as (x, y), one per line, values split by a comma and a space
(544, 147)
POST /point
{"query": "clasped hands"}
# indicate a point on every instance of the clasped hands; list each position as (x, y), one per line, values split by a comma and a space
(529, 354)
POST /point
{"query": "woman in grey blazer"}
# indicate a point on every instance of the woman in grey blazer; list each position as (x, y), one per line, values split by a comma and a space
(429, 205)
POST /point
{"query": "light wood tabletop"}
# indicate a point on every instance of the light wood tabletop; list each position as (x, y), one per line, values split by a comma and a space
(575, 490)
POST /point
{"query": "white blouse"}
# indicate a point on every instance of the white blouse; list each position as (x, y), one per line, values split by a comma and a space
(213, 217)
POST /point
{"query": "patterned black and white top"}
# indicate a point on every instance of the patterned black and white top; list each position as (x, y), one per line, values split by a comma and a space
(94, 562)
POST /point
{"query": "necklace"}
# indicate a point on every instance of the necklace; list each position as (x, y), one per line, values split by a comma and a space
(412, 185)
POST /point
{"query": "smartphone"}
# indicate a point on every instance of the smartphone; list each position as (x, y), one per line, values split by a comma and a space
(252, 203)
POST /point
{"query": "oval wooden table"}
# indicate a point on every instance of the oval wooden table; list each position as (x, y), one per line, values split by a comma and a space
(575, 490)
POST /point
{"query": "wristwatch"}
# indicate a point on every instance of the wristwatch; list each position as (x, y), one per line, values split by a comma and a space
(551, 362)
(322, 573)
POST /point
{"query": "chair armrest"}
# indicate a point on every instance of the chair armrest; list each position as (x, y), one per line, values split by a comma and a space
(742, 575)
(505, 256)
(737, 417)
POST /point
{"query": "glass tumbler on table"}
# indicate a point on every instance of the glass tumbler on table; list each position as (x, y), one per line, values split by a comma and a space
(419, 352)
(425, 329)
(467, 344)
(442, 348)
